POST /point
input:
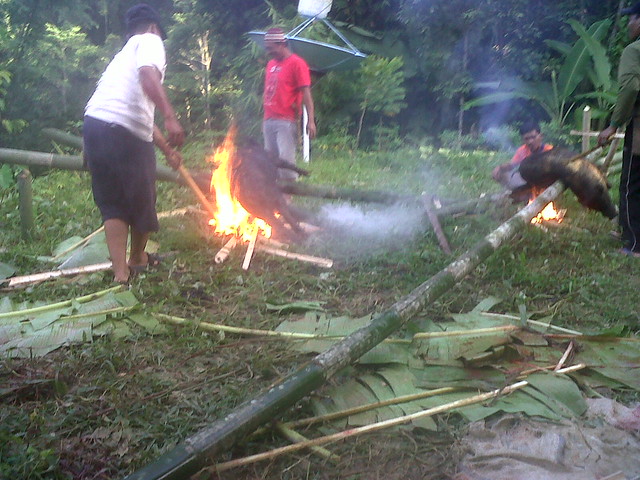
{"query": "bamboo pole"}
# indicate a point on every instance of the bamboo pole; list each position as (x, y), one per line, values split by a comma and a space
(321, 262)
(64, 272)
(586, 127)
(64, 303)
(25, 206)
(612, 151)
(75, 162)
(196, 452)
(336, 193)
(374, 427)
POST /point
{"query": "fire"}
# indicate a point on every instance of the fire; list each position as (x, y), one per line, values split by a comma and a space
(230, 217)
(549, 213)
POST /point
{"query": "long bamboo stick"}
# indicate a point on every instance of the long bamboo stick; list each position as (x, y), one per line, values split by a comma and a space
(196, 452)
(64, 303)
(427, 201)
(64, 272)
(321, 262)
(220, 467)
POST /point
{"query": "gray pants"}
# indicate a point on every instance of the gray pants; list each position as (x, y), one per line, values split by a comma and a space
(280, 138)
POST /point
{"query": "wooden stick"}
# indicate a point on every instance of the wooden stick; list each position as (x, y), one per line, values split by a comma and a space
(462, 333)
(380, 425)
(196, 189)
(224, 252)
(64, 303)
(85, 240)
(595, 134)
(250, 250)
(322, 262)
(427, 201)
(65, 272)
(271, 242)
(295, 437)
(564, 357)
(532, 322)
(610, 154)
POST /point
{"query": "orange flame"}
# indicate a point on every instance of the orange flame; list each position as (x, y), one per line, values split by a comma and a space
(230, 217)
(548, 213)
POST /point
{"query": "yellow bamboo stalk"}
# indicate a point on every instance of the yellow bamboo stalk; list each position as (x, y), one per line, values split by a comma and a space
(532, 322)
(462, 333)
(215, 327)
(65, 303)
(224, 252)
(220, 467)
(371, 406)
(295, 437)
(321, 262)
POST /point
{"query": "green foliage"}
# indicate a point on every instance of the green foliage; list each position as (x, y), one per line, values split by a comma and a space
(558, 97)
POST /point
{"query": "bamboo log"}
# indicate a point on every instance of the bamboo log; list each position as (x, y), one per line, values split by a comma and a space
(65, 272)
(321, 262)
(612, 151)
(63, 137)
(594, 134)
(196, 452)
(64, 303)
(330, 192)
(75, 162)
(392, 422)
(224, 252)
(427, 201)
(25, 206)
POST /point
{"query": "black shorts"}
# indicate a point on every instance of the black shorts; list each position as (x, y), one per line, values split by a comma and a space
(123, 174)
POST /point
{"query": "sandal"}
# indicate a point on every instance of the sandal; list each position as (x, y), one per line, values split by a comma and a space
(628, 252)
(153, 260)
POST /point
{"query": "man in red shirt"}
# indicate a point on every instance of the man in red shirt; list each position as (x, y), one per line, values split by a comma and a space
(287, 87)
(507, 174)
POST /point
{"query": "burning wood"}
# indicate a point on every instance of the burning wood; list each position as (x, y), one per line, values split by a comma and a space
(224, 252)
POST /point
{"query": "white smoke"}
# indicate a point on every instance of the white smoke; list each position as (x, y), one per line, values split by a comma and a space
(354, 231)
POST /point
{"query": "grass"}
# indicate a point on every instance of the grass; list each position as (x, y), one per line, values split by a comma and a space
(107, 408)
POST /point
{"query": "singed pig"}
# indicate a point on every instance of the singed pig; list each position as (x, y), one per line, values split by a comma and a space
(583, 178)
(254, 183)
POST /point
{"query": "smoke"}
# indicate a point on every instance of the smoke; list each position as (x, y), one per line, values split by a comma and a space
(354, 232)
(498, 139)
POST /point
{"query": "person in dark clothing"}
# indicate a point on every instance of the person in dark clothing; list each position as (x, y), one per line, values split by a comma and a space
(627, 113)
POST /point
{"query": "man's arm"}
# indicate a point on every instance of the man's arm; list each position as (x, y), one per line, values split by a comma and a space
(307, 101)
(150, 79)
(629, 81)
(174, 158)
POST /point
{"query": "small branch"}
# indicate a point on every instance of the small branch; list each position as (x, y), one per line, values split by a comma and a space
(532, 322)
(462, 333)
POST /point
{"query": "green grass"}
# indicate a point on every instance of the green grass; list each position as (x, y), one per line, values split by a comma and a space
(110, 407)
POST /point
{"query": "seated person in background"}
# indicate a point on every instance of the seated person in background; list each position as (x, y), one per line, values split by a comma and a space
(508, 175)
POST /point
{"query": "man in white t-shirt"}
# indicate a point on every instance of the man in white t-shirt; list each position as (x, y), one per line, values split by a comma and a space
(119, 135)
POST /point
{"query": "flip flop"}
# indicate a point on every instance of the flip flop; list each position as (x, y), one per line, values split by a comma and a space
(153, 260)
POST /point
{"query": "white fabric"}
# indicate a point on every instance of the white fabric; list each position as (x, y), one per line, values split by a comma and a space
(119, 97)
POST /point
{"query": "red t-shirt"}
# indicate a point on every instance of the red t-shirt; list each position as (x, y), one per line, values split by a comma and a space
(283, 82)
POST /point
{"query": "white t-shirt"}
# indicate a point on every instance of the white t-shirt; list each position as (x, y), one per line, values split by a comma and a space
(119, 97)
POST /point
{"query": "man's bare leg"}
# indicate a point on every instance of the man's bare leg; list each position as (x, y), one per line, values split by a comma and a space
(116, 232)
(137, 255)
